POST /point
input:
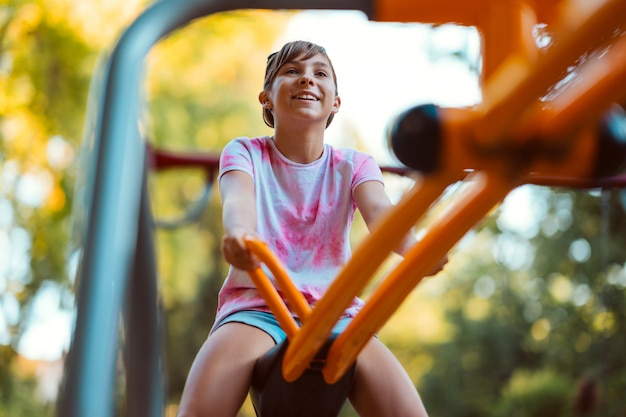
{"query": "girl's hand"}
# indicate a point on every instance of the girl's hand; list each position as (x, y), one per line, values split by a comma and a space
(236, 251)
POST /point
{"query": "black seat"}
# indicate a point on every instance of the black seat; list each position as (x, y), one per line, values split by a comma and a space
(308, 396)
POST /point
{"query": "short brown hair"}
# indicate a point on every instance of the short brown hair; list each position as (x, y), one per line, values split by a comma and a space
(288, 52)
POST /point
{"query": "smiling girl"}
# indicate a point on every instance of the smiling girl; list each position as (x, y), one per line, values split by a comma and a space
(299, 195)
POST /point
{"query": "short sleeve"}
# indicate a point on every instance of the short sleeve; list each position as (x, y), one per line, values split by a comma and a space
(365, 169)
(236, 156)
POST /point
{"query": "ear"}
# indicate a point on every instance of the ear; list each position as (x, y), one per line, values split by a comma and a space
(264, 99)
(336, 104)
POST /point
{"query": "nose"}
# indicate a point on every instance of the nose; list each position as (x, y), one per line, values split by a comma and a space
(306, 79)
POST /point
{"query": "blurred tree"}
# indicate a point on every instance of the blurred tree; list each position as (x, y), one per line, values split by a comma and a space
(524, 334)
(528, 394)
(47, 57)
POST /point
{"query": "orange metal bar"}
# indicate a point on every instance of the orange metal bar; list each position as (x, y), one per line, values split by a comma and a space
(506, 28)
(458, 152)
(427, 11)
(294, 297)
(518, 83)
(464, 13)
(599, 82)
(385, 236)
(274, 302)
(578, 159)
(487, 190)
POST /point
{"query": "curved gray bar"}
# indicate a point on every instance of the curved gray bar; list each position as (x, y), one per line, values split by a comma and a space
(111, 231)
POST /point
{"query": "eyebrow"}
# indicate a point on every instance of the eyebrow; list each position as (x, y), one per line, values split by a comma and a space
(315, 63)
(322, 64)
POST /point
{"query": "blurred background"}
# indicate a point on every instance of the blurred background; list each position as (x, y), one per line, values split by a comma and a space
(527, 319)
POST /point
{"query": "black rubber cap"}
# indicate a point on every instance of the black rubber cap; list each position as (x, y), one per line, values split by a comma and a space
(416, 138)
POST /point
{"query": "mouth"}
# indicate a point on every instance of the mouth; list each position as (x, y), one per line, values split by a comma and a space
(306, 97)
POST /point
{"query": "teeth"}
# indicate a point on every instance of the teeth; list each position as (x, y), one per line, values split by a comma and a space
(306, 97)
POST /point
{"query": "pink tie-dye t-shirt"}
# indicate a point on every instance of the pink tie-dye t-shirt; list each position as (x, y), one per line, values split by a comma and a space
(304, 215)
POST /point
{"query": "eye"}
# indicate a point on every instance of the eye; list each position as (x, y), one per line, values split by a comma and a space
(322, 74)
(291, 71)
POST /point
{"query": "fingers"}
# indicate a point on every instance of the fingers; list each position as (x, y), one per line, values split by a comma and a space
(237, 253)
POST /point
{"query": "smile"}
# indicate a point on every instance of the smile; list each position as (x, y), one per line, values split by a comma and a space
(306, 97)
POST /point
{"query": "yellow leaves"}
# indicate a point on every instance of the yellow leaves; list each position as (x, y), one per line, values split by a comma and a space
(24, 136)
(57, 10)
(477, 308)
(22, 129)
(225, 49)
(419, 319)
(18, 93)
(26, 20)
(216, 49)
(98, 22)
(605, 323)
(56, 199)
(19, 125)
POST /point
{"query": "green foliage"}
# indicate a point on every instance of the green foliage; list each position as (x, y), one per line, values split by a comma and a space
(534, 394)
(17, 392)
(555, 324)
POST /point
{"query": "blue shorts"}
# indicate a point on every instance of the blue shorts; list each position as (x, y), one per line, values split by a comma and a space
(268, 323)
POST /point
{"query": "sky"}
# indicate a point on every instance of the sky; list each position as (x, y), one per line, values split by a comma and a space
(383, 69)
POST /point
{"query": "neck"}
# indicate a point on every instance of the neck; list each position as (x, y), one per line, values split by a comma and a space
(300, 145)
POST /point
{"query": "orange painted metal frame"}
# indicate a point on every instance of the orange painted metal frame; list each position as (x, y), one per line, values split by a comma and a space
(520, 105)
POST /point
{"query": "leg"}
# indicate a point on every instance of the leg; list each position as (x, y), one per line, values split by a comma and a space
(382, 388)
(220, 376)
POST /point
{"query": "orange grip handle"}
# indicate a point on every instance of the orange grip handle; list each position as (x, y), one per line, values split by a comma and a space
(274, 302)
(294, 297)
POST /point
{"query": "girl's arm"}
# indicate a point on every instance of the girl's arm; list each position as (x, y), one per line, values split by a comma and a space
(239, 218)
(372, 201)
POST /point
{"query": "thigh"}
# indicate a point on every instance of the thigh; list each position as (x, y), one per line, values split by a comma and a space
(382, 387)
(220, 375)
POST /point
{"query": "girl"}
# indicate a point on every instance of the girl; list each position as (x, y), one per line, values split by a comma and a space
(299, 195)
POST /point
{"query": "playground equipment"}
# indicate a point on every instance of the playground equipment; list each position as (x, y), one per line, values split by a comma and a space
(538, 122)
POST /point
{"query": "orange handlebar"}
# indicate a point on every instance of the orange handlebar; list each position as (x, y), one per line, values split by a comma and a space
(270, 294)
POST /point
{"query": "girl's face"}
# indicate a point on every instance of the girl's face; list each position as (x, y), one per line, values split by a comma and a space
(303, 89)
